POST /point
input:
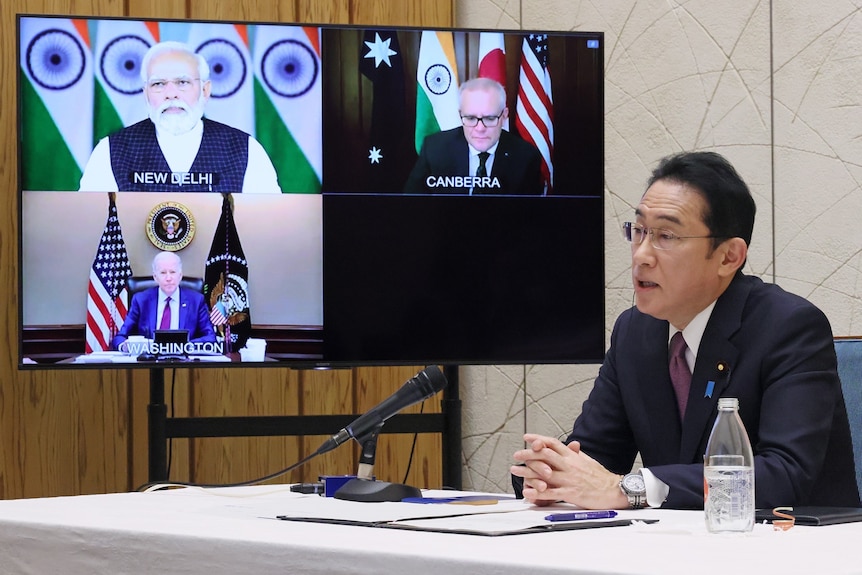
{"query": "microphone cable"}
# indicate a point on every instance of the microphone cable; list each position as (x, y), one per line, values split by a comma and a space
(156, 485)
(413, 447)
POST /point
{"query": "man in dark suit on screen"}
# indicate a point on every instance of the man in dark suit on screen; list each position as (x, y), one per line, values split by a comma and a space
(166, 306)
(480, 158)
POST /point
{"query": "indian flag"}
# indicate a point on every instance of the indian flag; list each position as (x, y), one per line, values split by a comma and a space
(437, 93)
(56, 85)
(120, 49)
(225, 48)
(288, 103)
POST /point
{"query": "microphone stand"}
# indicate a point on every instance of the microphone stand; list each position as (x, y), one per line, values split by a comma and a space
(367, 489)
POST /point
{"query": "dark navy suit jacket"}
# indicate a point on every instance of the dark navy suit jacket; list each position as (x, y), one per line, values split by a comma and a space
(517, 165)
(142, 320)
(771, 349)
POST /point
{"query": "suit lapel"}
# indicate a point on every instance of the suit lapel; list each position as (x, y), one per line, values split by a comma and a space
(501, 158)
(656, 392)
(715, 360)
(462, 157)
(153, 311)
(184, 312)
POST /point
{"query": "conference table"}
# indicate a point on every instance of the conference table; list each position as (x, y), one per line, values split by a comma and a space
(237, 530)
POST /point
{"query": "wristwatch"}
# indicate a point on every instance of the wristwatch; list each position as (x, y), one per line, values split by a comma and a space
(633, 487)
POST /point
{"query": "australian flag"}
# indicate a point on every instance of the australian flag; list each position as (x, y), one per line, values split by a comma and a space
(226, 282)
(387, 146)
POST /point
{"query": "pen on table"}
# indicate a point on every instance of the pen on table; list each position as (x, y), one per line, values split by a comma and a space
(581, 515)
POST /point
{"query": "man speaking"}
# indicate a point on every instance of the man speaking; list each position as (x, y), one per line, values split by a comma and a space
(176, 149)
(479, 158)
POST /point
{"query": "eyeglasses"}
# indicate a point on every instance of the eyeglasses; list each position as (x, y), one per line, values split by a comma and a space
(182, 84)
(659, 238)
(487, 121)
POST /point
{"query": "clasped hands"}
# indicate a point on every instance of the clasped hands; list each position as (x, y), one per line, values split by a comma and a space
(554, 471)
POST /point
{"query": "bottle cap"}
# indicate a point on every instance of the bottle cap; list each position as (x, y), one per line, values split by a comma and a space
(728, 403)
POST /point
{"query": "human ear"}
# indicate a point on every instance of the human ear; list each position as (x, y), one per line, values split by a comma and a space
(734, 251)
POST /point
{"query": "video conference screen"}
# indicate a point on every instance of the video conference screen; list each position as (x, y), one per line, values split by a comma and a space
(307, 196)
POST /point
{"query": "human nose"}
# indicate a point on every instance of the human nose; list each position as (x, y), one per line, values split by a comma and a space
(171, 89)
(643, 252)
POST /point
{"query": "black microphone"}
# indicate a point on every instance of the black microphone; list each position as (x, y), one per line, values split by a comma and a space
(418, 388)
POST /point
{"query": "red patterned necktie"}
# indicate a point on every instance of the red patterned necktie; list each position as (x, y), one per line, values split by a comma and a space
(166, 315)
(680, 374)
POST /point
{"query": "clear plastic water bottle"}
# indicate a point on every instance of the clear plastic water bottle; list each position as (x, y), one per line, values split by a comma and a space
(728, 473)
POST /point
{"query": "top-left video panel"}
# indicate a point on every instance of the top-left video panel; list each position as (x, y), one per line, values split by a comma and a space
(142, 105)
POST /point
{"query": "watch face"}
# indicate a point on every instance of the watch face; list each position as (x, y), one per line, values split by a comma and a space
(634, 483)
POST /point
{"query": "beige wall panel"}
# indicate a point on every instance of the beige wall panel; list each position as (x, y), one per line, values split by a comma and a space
(818, 91)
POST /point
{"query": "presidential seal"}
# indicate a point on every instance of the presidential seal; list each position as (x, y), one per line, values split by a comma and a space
(170, 226)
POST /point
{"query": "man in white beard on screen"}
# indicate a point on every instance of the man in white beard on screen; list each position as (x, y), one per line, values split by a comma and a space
(176, 149)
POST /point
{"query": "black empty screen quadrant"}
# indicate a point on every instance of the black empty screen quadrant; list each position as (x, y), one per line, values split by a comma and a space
(463, 279)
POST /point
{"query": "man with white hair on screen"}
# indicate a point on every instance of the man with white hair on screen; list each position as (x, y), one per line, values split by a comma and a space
(176, 148)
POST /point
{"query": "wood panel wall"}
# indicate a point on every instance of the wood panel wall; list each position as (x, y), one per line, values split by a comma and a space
(79, 432)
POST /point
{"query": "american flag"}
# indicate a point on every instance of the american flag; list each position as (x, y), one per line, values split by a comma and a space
(107, 295)
(535, 106)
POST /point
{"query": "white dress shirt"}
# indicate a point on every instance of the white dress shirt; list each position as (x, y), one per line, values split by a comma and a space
(175, 309)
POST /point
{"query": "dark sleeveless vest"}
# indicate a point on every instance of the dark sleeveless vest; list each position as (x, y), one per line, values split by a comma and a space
(139, 165)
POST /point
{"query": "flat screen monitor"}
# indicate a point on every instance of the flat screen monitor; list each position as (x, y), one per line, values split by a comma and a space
(327, 196)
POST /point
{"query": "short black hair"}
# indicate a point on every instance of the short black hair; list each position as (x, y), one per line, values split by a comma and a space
(730, 208)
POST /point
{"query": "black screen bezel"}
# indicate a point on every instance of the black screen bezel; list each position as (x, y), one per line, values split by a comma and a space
(574, 259)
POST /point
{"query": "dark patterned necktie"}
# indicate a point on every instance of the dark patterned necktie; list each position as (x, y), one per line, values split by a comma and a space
(482, 171)
(166, 315)
(680, 375)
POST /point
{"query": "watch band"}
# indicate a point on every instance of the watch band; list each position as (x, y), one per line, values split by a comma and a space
(637, 499)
